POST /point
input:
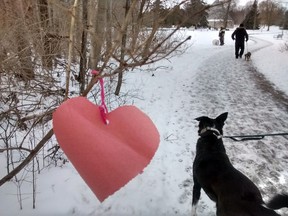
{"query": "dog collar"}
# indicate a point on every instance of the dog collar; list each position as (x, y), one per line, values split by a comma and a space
(215, 132)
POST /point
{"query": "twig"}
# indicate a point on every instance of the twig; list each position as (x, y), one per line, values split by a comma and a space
(28, 158)
(15, 148)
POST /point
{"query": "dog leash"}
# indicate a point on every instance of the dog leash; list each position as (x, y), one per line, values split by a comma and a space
(247, 47)
(253, 137)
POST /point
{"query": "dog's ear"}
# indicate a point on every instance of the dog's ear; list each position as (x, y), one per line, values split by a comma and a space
(222, 118)
(202, 118)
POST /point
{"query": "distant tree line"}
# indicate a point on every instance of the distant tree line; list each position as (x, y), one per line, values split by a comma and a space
(192, 13)
(195, 13)
(265, 13)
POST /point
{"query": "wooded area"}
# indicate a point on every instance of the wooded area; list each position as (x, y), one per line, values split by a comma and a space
(47, 52)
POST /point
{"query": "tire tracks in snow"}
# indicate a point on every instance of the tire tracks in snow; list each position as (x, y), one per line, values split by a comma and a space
(224, 83)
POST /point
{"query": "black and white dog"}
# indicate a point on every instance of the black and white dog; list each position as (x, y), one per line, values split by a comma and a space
(234, 193)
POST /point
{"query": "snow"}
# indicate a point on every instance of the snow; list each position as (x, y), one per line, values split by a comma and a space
(205, 80)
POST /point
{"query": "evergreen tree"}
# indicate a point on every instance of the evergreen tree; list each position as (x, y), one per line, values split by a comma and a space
(158, 11)
(196, 13)
(175, 16)
(251, 20)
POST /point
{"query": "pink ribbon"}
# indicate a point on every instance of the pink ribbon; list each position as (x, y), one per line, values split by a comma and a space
(103, 108)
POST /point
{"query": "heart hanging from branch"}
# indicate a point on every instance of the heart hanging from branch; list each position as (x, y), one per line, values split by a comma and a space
(107, 156)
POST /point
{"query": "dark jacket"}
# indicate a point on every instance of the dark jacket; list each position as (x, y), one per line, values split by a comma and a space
(240, 35)
(221, 33)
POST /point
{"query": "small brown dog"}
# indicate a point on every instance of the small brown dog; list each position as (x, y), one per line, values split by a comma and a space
(247, 56)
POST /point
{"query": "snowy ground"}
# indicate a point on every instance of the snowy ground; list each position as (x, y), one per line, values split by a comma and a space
(205, 80)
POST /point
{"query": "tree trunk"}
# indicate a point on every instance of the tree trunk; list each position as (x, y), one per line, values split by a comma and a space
(83, 53)
(123, 50)
(23, 44)
(227, 14)
(99, 34)
(255, 14)
(47, 59)
(136, 28)
(109, 31)
(270, 10)
(70, 48)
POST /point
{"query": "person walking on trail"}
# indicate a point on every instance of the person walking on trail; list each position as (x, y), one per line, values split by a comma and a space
(221, 36)
(240, 35)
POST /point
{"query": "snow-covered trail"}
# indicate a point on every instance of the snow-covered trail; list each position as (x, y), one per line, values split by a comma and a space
(210, 81)
(224, 83)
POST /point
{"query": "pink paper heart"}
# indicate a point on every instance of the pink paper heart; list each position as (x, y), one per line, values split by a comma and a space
(106, 156)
